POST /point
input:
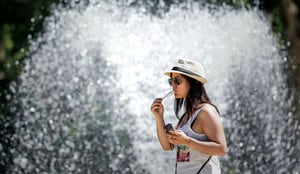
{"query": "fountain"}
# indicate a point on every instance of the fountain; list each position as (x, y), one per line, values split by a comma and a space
(82, 102)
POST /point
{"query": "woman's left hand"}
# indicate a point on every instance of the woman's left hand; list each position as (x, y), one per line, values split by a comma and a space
(178, 137)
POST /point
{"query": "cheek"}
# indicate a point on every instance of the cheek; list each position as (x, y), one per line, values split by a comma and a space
(185, 90)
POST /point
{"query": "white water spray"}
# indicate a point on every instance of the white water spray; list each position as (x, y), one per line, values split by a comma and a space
(98, 69)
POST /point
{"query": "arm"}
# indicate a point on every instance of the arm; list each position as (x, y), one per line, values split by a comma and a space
(209, 123)
(158, 111)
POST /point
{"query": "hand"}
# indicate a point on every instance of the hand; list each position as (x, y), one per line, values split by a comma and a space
(157, 108)
(178, 137)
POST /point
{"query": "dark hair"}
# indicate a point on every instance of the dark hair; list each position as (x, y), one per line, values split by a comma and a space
(197, 93)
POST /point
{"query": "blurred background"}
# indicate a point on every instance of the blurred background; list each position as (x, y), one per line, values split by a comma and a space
(42, 127)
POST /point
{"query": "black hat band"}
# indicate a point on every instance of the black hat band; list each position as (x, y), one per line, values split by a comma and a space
(185, 71)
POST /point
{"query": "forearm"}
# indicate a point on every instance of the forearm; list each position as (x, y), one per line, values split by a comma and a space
(162, 136)
(207, 147)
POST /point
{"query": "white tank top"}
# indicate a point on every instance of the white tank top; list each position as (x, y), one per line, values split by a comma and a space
(188, 160)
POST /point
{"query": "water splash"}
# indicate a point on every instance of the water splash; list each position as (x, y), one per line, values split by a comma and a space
(83, 101)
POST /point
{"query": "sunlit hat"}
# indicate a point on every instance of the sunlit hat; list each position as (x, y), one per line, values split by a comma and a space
(189, 68)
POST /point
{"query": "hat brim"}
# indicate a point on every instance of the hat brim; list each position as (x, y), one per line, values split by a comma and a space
(198, 78)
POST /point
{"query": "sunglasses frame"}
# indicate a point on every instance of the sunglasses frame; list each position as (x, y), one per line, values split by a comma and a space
(176, 80)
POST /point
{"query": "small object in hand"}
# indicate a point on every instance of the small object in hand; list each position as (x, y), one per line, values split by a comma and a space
(168, 127)
(168, 94)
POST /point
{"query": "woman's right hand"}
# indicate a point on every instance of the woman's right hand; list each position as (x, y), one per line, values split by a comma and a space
(157, 108)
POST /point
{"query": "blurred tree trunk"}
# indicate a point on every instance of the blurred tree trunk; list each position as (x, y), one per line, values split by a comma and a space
(289, 11)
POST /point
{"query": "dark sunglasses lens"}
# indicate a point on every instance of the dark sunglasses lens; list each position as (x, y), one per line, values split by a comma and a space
(177, 81)
(170, 82)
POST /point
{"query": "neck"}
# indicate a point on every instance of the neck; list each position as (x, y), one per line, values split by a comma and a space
(197, 104)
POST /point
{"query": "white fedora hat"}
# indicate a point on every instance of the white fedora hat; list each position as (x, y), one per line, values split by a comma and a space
(189, 68)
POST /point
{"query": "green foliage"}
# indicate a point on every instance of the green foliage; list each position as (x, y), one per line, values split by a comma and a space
(19, 19)
(277, 25)
(11, 63)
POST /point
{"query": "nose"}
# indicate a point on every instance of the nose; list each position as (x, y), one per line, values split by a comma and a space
(174, 85)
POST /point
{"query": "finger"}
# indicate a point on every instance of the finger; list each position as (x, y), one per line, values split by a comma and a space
(173, 137)
(173, 132)
(156, 106)
(177, 132)
(173, 141)
(157, 100)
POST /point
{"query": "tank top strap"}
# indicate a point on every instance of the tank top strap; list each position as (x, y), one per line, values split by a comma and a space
(195, 114)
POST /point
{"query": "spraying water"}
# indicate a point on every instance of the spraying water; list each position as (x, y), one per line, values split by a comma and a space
(83, 101)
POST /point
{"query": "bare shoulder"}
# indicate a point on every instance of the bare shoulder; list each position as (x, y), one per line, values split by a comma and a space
(208, 110)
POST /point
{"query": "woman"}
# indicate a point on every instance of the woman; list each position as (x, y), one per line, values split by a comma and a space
(199, 135)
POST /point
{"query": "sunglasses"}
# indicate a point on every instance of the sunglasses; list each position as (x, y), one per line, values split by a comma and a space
(176, 80)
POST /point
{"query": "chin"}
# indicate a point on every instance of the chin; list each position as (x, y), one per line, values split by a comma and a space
(178, 97)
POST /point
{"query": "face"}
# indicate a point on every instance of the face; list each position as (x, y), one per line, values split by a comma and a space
(180, 85)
